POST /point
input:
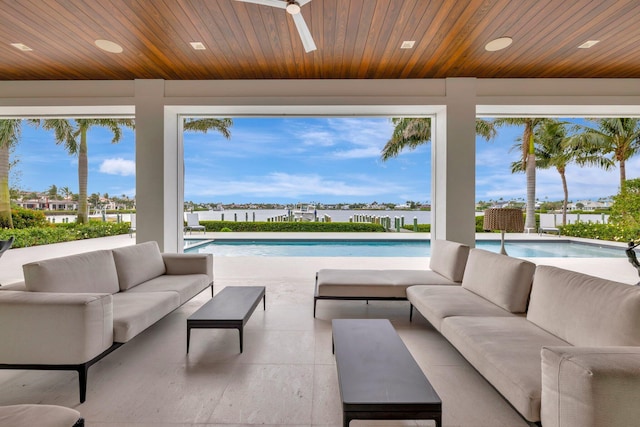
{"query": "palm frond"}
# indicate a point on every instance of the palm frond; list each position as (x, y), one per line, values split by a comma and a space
(204, 125)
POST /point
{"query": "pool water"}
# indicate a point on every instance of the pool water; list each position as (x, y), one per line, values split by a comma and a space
(391, 248)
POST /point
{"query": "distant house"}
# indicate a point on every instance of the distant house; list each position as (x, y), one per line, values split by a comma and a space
(589, 205)
(46, 204)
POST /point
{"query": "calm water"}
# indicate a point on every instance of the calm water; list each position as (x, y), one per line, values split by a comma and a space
(395, 248)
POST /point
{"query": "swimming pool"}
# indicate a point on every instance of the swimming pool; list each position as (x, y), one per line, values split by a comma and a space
(391, 248)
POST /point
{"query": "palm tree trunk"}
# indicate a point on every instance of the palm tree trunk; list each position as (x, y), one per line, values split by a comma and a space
(566, 196)
(623, 173)
(529, 158)
(5, 198)
(83, 211)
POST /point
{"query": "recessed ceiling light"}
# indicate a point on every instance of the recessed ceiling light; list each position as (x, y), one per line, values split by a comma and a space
(198, 46)
(407, 44)
(109, 46)
(21, 46)
(498, 44)
(588, 44)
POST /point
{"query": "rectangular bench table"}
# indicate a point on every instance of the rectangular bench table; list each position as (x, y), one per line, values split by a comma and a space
(378, 377)
(229, 309)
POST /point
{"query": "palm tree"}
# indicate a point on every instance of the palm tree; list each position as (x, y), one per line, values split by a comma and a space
(619, 137)
(411, 132)
(528, 160)
(10, 131)
(552, 151)
(67, 133)
(66, 192)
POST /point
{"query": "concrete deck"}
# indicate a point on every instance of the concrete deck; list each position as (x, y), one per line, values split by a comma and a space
(286, 374)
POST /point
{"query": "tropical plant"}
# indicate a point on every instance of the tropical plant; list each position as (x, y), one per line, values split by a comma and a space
(552, 151)
(411, 132)
(67, 133)
(618, 137)
(528, 159)
(9, 136)
(66, 192)
(625, 210)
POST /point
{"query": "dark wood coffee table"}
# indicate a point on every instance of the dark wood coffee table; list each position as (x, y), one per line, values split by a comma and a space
(378, 377)
(229, 309)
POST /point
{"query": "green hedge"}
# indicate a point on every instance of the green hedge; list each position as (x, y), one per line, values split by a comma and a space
(34, 236)
(309, 227)
(422, 228)
(611, 232)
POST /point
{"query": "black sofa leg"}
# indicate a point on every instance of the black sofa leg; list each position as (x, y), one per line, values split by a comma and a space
(82, 380)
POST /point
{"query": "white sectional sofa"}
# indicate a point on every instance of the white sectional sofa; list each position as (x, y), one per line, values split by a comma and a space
(562, 347)
(72, 311)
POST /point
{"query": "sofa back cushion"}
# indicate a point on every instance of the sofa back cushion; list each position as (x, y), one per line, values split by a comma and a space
(501, 279)
(449, 259)
(138, 263)
(91, 272)
(585, 310)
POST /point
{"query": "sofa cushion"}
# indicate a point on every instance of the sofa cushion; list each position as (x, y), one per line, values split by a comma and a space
(506, 351)
(585, 310)
(91, 272)
(186, 286)
(374, 283)
(30, 415)
(448, 259)
(138, 263)
(590, 386)
(501, 279)
(436, 303)
(135, 312)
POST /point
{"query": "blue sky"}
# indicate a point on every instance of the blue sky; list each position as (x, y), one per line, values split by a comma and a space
(289, 160)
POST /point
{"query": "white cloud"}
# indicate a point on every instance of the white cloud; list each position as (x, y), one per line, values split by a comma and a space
(292, 186)
(118, 166)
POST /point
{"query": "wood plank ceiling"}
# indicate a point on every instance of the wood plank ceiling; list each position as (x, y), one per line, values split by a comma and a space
(355, 39)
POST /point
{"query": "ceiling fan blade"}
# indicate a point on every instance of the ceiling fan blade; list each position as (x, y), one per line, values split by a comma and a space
(273, 3)
(305, 34)
(303, 2)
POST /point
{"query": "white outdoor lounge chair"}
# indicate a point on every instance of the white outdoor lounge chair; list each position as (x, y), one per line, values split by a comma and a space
(548, 225)
(193, 223)
(132, 227)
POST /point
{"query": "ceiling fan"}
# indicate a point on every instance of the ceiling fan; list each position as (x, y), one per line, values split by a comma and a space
(293, 8)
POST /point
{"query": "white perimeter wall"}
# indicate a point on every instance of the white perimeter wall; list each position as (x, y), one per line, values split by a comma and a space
(158, 107)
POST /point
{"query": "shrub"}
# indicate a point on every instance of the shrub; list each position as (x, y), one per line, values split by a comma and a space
(25, 218)
(422, 228)
(625, 209)
(611, 232)
(34, 236)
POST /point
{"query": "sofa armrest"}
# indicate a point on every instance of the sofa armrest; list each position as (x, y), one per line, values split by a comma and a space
(189, 264)
(54, 328)
(590, 386)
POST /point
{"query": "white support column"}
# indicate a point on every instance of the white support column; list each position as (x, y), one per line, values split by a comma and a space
(454, 164)
(156, 167)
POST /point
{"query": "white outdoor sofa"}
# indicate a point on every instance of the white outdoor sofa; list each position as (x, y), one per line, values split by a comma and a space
(562, 347)
(72, 311)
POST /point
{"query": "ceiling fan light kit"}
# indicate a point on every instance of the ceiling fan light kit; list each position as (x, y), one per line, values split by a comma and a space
(293, 8)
